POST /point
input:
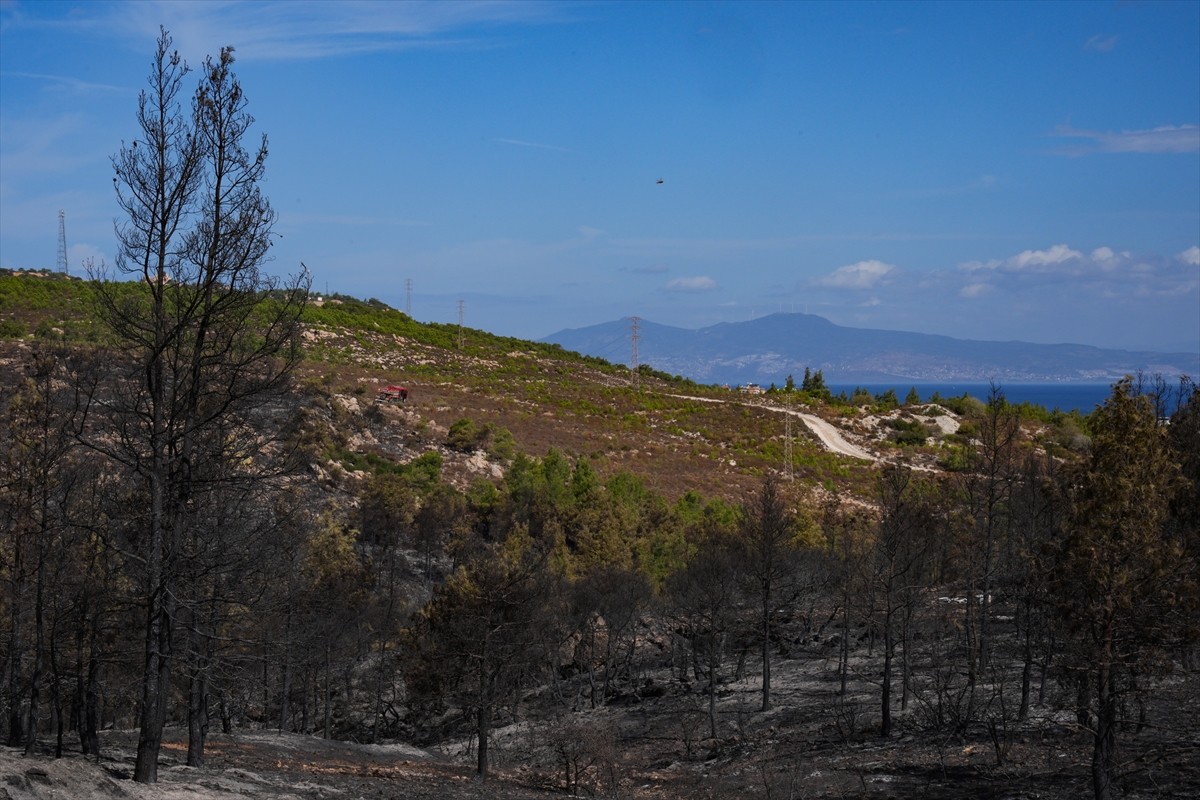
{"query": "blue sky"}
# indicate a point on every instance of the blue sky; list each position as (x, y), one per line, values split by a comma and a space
(990, 171)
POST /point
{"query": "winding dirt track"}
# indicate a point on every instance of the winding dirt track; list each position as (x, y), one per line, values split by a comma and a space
(830, 436)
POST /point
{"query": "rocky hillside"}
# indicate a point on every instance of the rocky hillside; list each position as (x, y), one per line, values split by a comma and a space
(677, 434)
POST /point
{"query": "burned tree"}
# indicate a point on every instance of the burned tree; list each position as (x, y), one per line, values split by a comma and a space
(487, 629)
(200, 334)
(769, 551)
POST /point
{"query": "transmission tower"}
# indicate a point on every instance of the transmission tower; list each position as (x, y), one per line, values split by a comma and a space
(408, 296)
(62, 242)
(633, 342)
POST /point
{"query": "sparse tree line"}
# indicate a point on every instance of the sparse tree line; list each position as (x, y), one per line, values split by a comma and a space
(171, 555)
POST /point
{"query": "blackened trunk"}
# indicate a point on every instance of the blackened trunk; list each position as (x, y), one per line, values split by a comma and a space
(197, 716)
(328, 696)
(885, 725)
(90, 734)
(39, 635)
(483, 729)
(766, 647)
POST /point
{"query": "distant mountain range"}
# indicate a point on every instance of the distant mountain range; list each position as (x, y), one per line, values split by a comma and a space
(768, 349)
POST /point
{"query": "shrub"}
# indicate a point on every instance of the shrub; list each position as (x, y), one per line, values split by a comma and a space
(907, 432)
(464, 436)
(47, 330)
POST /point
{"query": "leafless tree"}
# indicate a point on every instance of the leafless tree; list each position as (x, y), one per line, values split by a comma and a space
(986, 488)
(39, 480)
(199, 336)
(769, 550)
(901, 544)
(493, 623)
(703, 598)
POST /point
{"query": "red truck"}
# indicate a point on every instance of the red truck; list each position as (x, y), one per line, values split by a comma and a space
(392, 394)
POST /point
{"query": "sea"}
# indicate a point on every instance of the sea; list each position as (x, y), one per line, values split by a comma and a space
(1081, 397)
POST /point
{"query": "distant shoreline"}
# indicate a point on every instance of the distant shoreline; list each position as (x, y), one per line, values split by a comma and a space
(1081, 397)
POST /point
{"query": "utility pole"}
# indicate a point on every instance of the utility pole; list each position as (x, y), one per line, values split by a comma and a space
(62, 242)
(461, 306)
(408, 297)
(633, 340)
(787, 441)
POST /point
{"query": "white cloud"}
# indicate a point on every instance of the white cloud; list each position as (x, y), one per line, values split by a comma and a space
(699, 283)
(863, 275)
(1102, 275)
(1059, 258)
(1101, 43)
(1110, 260)
(1052, 256)
(1163, 139)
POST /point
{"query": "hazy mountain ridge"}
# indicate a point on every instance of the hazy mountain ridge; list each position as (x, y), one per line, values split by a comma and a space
(768, 349)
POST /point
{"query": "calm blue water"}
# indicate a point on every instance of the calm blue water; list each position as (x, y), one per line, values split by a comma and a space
(1081, 397)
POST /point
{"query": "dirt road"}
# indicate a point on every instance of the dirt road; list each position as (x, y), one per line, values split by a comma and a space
(830, 436)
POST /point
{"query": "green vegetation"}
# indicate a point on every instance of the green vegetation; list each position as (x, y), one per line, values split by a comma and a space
(907, 432)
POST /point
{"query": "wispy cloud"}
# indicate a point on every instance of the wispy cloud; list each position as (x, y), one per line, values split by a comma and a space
(68, 83)
(350, 220)
(653, 269)
(1163, 139)
(862, 275)
(1101, 43)
(288, 31)
(1190, 256)
(36, 146)
(983, 183)
(538, 145)
(699, 283)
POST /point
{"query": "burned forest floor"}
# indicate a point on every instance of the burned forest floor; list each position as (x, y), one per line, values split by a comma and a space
(657, 744)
